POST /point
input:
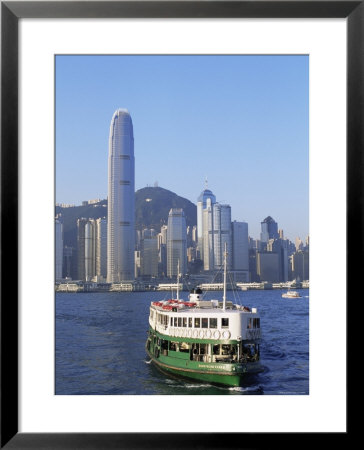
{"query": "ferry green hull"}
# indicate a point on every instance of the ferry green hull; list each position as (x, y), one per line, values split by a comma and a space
(179, 364)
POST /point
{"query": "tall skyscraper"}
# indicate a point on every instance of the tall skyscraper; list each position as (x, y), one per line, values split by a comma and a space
(149, 253)
(176, 242)
(222, 235)
(101, 247)
(206, 198)
(280, 246)
(59, 248)
(240, 245)
(269, 229)
(121, 199)
(83, 241)
(208, 236)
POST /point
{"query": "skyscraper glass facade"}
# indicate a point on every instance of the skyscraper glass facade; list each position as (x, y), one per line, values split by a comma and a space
(121, 199)
(205, 198)
(176, 242)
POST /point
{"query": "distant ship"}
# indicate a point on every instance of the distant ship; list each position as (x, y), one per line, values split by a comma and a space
(291, 294)
(212, 341)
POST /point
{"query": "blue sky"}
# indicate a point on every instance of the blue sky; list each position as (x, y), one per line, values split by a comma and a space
(239, 121)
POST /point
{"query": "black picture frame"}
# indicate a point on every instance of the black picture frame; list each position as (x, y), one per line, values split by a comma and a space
(11, 12)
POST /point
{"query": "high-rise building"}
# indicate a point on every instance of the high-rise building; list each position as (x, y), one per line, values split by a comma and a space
(81, 249)
(300, 265)
(240, 251)
(163, 235)
(269, 229)
(208, 236)
(149, 254)
(216, 233)
(58, 249)
(101, 247)
(69, 262)
(299, 244)
(280, 246)
(91, 248)
(176, 242)
(206, 198)
(268, 267)
(121, 199)
(222, 235)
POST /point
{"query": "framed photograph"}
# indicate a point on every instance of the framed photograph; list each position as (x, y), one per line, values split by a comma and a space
(269, 97)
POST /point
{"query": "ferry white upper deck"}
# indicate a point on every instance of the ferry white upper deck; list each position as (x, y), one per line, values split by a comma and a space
(205, 319)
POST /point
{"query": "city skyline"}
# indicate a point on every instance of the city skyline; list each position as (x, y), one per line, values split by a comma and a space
(240, 121)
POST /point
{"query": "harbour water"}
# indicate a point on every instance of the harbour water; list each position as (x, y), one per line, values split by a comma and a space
(100, 340)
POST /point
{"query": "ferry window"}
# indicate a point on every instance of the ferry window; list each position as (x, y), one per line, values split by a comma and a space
(225, 349)
(179, 321)
(249, 323)
(205, 322)
(190, 322)
(213, 323)
(184, 347)
(216, 349)
(164, 345)
(225, 323)
(171, 322)
(203, 349)
(184, 322)
(175, 321)
(197, 322)
(173, 346)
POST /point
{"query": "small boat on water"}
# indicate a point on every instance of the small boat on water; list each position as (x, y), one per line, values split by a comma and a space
(291, 294)
(206, 340)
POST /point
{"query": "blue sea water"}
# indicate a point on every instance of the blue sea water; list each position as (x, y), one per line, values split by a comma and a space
(100, 340)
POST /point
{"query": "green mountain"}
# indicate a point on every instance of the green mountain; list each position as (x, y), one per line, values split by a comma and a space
(152, 205)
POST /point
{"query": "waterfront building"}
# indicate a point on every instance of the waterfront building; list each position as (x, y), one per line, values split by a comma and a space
(82, 238)
(216, 233)
(206, 198)
(68, 262)
(280, 247)
(86, 249)
(176, 242)
(268, 267)
(58, 249)
(101, 247)
(121, 199)
(240, 251)
(300, 265)
(207, 240)
(137, 263)
(253, 265)
(162, 260)
(222, 235)
(149, 254)
(91, 249)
